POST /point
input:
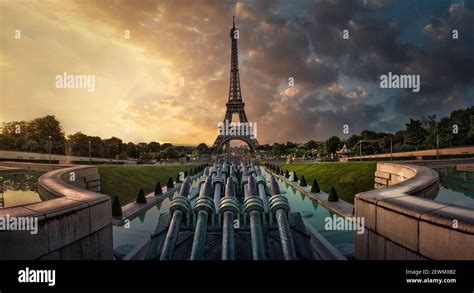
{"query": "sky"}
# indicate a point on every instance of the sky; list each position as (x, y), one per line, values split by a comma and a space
(169, 80)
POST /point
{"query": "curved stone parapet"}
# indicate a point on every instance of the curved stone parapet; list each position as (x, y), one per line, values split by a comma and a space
(401, 223)
(74, 221)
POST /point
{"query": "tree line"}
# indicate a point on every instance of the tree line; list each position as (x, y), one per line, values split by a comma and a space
(419, 134)
(39, 134)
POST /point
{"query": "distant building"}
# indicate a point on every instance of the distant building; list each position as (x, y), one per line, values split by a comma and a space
(344, 152)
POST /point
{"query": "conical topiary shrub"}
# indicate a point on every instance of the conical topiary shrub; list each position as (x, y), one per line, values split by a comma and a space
(333, 195)
(287, 174)
(141, 196)
(116, 208)
(295, 177)
(303, 181)
(315, 186)
(185, 174)
(281, 172)
(170, 183)
(158, 189)
(177, 179)
(191, 172)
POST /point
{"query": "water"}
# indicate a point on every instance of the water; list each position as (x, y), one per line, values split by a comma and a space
(314, 213)
(456, 186)
(19, 189)
(148, 220)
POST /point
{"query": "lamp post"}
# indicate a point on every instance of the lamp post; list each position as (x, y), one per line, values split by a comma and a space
(437, 145)
(391, 149)
(50, 145)
(90, 152)
(360, 151)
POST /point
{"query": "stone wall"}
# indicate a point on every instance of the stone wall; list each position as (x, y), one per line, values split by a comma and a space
(30, 156)
(74, 224)
(400, 224)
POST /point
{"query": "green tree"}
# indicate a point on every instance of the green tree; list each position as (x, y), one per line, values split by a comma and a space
(290, 145)
(153, 147)
(79, 144)
(113, 147)
(333, 144)
(311, 145)
(278, 149)
(132, 151)
(165, 146)
(48, 126)
(471, 129)
(7, 141)
(202, 148)
(169, 153)
(431, 127)
(415, 134)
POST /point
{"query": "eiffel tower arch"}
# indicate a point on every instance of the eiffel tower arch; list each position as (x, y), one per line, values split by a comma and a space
(235, 104)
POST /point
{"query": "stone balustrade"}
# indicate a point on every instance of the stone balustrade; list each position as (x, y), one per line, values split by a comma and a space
(401, 224)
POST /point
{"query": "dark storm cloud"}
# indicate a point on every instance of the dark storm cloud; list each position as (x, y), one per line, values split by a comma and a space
(303, 40)
(446, 65)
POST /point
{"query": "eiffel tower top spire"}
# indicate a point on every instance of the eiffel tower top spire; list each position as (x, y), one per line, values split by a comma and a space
(235, 96)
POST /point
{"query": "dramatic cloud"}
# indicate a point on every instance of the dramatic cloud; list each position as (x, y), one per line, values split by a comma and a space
(169, 81)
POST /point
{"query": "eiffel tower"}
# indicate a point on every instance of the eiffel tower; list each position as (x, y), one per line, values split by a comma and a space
(235, 105)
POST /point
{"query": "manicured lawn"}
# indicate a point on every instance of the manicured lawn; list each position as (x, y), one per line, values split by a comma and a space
(347, 178)
(126, 181)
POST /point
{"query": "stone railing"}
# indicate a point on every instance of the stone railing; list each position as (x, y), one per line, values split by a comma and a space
(401, 224)
(73, 223)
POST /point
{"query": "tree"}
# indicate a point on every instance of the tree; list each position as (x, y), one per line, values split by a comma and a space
(132, 151)
(460, 118)
(310, 145)
(290, 145)
(48, 126)
(333, 195)
(165, 146)
(415, 135)
(471, 128)
(369, 135)
(34, 135)
(202, 148)
(431, 127)
(142, 150)
(169, 153)
(79, 144)
(158, 189)
(385, 143)
(353, 141)
(278, 149)
(315, 186)
(141, 196)
(7, 141)
(153, 147)
(116, 208)
(113, 147)
(333, 144)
